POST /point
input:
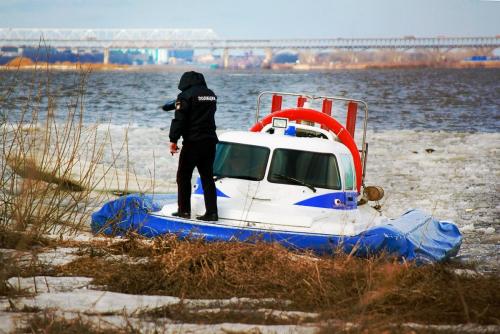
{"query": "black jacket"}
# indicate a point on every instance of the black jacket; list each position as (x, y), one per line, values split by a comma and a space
(194, 110)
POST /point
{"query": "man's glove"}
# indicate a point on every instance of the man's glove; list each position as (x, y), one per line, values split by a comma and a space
(173, 148)
(169, 106)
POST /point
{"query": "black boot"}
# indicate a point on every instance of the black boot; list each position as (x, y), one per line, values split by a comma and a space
(212, 217)
(182, 214)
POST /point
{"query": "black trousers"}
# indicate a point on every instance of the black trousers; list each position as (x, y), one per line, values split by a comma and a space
(200, 155)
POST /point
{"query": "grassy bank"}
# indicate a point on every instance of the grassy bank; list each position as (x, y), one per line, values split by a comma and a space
(353, 289)
(275, 286)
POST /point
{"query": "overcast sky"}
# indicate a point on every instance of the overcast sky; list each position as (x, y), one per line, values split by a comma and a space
(265, 18)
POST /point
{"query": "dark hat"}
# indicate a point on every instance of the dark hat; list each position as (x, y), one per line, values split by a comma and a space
(190, 79)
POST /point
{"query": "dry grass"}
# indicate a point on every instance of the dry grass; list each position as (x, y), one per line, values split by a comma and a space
(22, 241)
(5, 289)
(242, 314)
(8, 266)
(359, 290)
(44, 182)
(40, 147)
(51, 323)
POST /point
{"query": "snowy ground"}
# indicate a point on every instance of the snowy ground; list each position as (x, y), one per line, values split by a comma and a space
(452, 175)
(457, 180)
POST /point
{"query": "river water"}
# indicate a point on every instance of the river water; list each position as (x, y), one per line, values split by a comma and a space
(434, 133)
(416, 99)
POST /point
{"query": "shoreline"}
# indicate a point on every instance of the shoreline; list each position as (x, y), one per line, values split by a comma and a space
(274, 67)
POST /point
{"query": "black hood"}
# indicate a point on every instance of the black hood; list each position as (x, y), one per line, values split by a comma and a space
(190, 79)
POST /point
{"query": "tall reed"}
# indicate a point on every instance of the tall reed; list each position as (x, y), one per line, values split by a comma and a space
(48, 157)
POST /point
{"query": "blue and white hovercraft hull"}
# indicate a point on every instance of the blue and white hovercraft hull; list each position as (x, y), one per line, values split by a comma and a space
(415, 236)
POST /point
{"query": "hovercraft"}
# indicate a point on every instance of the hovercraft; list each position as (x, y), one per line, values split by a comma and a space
(296, 178)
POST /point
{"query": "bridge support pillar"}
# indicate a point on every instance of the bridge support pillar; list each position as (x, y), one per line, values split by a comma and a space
(106, 56)
(225, 58)
(268, 58)
(353, 57)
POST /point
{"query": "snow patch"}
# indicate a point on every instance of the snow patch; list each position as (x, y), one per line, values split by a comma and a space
(40, 284)
(99, 302)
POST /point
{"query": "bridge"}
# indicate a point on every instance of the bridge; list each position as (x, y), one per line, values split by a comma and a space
(107, 39)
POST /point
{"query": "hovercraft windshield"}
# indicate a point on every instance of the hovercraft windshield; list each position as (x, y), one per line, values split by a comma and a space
(240, 161)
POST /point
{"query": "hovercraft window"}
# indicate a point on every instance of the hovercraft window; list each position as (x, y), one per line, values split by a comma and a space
(349, 177)
(308, 168)
(240, 161)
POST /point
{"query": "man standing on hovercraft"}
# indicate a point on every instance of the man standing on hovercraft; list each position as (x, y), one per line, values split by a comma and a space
(194, 122)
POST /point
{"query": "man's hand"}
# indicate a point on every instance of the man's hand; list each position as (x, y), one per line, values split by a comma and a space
(173, 148)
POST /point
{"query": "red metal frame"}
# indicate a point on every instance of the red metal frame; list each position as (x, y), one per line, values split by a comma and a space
(352, 111)
(276, 103)
(326, 108)
(301, 100)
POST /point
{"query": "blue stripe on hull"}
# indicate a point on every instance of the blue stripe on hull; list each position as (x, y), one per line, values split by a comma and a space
(336, 201)
(199, 189)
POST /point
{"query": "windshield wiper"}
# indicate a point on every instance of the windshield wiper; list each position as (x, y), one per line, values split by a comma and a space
(296, 181)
